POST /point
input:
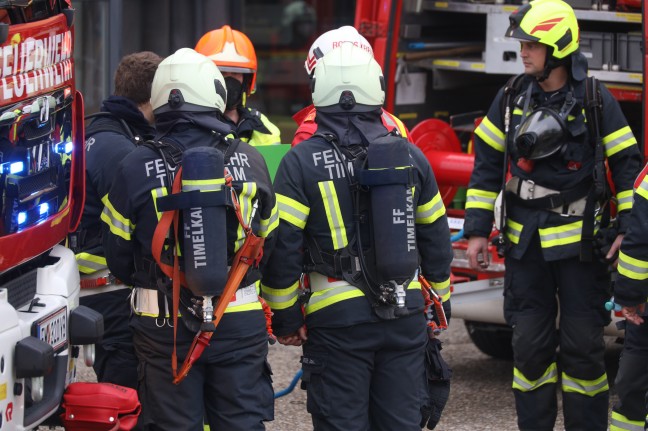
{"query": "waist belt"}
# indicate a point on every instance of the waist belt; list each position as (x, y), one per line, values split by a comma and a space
(319, 282)
(98, 282)
(144, 302)
(569, 202)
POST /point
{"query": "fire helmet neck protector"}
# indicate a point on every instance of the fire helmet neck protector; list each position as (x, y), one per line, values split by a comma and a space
(544, 132)
(187, 81)
(348, 79)
(551, 23)
(232, 51)
(331, 40)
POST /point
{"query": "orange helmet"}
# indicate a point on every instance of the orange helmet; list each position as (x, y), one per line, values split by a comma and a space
(231, 51)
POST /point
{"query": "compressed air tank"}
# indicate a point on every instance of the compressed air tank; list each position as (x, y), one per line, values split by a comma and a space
(393, 213)
(205, 231)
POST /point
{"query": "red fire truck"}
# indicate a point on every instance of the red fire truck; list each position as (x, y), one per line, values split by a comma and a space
(42, 179)
(445, 60)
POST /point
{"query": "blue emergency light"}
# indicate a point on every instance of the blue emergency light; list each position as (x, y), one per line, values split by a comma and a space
(43, 209)
(64, 147)
(22, 218)
(12, 167)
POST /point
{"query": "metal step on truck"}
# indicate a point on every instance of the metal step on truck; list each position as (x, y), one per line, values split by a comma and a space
(43, 330)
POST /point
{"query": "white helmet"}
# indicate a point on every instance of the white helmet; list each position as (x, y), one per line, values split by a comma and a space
(332, 39)
(348, 79)
(187, 81)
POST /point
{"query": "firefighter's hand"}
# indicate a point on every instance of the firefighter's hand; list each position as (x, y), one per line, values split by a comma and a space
(477, 252)
(297, 338)
(613, 254)
(632, 313)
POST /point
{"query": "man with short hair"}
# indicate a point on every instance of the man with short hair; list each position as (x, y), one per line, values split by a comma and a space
(126, 117)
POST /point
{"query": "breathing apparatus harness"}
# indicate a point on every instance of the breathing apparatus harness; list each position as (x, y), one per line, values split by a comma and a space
(359, 263)
(166, 250)
(554, 128)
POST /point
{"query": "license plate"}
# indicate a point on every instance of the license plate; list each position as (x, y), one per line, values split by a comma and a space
(53, 329)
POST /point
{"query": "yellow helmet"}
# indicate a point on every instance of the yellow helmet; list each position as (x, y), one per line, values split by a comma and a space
(550, 22)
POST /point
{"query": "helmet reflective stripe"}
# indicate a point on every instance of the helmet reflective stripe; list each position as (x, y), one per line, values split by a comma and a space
(550, 22)
(333, 39)
(232, 51)
(187, 81)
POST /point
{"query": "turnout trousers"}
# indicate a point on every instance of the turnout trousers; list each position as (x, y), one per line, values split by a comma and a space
(631, 384)
(229, 386)
(537, 292)
(366, 377)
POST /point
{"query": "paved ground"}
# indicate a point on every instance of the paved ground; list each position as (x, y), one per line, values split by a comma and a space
(480, 398)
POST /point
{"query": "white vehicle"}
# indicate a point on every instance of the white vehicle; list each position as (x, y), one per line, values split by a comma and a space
(41, 190)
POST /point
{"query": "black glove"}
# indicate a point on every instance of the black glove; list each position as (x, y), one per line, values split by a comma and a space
(437, 381)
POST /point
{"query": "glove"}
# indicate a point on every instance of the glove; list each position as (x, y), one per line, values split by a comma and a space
(437, 382)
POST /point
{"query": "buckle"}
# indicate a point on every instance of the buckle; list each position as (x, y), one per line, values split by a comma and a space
(530, 188)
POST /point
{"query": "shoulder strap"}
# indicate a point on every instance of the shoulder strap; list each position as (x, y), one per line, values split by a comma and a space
(103, 126)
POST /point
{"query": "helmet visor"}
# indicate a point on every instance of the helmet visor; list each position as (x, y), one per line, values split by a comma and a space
(540, 135)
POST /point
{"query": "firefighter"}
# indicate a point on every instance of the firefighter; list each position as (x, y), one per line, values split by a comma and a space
(325, 43)
(553, 205)
(360, 248)
(125, 117)
(631, 292)
(234, 55)
(230, 383)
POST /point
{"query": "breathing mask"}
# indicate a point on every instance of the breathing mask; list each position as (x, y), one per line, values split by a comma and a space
(544, 132)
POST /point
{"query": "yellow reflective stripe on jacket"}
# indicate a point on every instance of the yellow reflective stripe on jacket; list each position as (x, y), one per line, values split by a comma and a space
(292, 211)
(258, 138)
(642, 190)
(333, 295)
(119, 225)
(158, 193)
(333, 214)
(246, 203)
(618, 422)
(431, 211)
(513, 230)
(585, 387)
(244, 307)
(90, 263)
(442, 289)
(523, 384)
(561, 235)
(210, 185)
(630, 267)
(624, 200)
(483, 199)
(618, 141)
(269, 224)
(490, 134)
(280, 299)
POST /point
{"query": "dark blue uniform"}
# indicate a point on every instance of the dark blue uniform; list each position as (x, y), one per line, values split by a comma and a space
(544, 274)
(360, 372)
(230, 385)
(631, 289)
(109, 138)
